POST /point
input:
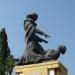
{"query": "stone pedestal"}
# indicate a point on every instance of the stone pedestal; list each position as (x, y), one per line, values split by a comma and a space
(45, 68)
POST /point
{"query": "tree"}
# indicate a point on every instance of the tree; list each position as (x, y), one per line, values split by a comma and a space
(5, 56)
(9, 64)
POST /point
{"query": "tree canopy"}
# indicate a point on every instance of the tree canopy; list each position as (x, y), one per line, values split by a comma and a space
(6, 59)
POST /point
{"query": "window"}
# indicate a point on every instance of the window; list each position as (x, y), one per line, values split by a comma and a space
(19, 73)
(51, 72)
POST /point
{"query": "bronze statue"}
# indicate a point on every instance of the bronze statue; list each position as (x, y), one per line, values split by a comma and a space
(34, 52)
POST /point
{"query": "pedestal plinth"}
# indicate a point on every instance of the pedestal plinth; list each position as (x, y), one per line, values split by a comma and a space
(45, 68)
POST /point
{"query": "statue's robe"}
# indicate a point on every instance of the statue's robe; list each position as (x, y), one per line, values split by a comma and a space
(34, 51)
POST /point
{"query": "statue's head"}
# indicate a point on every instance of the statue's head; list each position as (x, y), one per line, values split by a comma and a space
(62, 49)
(32, 16)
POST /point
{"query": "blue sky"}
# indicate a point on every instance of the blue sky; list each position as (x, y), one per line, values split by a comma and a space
(56, 18)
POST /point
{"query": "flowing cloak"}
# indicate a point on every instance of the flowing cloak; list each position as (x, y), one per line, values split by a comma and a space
(34, 51)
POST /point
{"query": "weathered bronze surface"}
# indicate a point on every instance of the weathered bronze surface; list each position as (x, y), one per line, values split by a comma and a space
(34, 52)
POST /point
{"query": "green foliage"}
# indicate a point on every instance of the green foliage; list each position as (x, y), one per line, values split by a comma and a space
(6, 59)
(9, 63)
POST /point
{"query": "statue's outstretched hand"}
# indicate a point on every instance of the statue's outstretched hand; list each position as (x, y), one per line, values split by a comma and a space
(46, 35)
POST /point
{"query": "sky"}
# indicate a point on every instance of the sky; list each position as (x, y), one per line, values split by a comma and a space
(56, 18)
